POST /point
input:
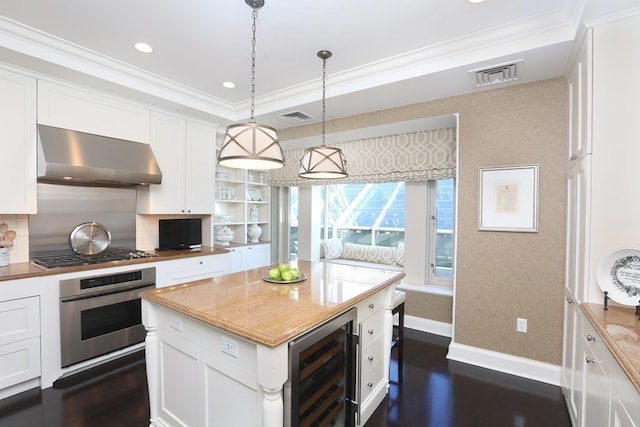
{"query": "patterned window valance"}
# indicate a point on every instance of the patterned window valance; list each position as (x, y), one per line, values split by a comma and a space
(416, 156)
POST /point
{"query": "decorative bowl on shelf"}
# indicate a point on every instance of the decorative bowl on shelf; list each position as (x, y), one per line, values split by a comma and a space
(224, 218)
(224, 236)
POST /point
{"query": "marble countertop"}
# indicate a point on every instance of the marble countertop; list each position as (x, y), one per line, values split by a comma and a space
(272, 314)
(28, 269)
(619, 327)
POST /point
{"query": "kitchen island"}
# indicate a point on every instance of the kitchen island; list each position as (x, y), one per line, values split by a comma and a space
(218, 350)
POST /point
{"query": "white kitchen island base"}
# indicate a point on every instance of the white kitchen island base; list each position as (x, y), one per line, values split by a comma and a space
(193, 383)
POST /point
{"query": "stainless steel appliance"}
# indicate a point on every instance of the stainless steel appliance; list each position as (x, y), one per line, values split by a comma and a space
(323, 375)
(101, 314)
(74, 259)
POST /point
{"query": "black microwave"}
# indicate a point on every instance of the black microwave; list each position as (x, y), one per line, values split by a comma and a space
(179, 234)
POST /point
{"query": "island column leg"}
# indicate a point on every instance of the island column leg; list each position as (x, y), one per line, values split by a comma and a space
(272, 375)
(151, 357)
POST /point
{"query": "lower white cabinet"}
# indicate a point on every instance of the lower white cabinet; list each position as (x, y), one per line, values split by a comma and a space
(190, 269)
(247, 257)
(19, 336)
(374, 330)
(602, 394)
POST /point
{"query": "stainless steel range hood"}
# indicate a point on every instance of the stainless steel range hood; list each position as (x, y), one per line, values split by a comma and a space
(71, 156)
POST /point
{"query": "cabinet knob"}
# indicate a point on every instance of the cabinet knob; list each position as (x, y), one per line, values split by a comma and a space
(200, 263)
(591, 338)
(369, 384)
(371, 306)
(370, 358)
(573, 157)
(588, 359)
(370, 331)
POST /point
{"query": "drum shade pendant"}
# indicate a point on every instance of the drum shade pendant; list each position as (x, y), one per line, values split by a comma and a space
(323, 162)
(251, 145)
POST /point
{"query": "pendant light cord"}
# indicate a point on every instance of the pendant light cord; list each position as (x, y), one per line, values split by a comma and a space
(253, 64)
(324, 89)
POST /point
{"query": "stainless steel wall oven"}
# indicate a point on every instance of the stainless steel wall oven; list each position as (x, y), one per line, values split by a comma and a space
(101, 314)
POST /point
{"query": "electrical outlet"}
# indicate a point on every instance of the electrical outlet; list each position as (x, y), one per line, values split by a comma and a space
(176, 323)
(228, 346)
(521, 325)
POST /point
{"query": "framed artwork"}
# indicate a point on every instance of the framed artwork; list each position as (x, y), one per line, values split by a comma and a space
(508, 198)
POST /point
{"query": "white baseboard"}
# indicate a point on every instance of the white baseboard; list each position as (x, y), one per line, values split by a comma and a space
(501, 362)
(428, 325)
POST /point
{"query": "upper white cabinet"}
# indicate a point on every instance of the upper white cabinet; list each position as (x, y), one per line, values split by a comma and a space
(579, 89)
(185, 151)
(18, 136)
(91, 112)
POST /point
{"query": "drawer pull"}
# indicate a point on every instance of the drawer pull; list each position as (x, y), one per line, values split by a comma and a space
(589, 360)
(591, 338)
(371, 306)
(370, 358)
(369, 384)
(370, 331)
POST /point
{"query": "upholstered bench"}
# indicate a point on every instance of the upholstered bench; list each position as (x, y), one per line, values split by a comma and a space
(389, 258)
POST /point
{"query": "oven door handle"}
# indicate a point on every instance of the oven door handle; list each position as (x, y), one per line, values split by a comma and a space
(107, 292)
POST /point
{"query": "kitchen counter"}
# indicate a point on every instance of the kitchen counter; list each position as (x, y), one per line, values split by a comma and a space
(273, 314)
(217, 350)
(619, 327)
(28, 269)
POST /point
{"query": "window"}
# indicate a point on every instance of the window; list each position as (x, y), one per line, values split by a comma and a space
(375, 214)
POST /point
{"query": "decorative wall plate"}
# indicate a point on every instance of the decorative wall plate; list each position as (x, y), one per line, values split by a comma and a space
(254, 194)
(619, 275)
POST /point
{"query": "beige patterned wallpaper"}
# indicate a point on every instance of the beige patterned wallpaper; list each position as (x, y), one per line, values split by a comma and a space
(501, 275)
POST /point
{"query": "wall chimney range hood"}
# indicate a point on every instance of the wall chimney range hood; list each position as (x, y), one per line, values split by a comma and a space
(77, 157)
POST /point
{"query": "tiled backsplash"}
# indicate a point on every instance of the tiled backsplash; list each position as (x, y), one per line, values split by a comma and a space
(19, 252)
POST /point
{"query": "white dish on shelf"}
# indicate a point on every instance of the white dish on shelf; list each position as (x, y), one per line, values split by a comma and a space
(254, 195)
(619, 275)
(224, 218)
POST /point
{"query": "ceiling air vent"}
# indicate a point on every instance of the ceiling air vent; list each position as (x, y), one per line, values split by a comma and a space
(296, 117)
(497, 74)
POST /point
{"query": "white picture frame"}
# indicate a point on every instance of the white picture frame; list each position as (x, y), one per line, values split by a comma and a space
(508, 198)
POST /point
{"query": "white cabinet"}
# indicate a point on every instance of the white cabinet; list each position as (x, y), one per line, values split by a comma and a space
(185, 151)
(19, 336)
(603, 162)
(91, 112)
(242, 199)
(247, 257)
(374, 331)
(18, 136)
(189, 269)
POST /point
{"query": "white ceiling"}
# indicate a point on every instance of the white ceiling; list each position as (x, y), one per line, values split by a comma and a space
(385, 53)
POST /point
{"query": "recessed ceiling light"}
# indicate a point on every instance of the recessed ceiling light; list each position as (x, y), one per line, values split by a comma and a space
(143, 47)
(475, 1)
(228, 85)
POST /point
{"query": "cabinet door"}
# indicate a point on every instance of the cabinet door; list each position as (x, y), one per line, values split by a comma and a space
(199, 169)
(235, 260)
(18, 134)
(580, 95)
(168, 135)
(595, 404)
(256, 256)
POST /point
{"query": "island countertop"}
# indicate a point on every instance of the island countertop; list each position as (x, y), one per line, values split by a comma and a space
(271, 314)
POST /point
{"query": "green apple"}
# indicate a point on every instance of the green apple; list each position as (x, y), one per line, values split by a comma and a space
(284, 266)
(295, 273)
(287, 276)
(274, 274)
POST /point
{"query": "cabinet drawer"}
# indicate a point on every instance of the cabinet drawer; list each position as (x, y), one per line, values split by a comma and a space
(371, 328)
(371, 305)
(371, 379)
(19, 319)
(373, 353)
(19, 362)
(191, 269)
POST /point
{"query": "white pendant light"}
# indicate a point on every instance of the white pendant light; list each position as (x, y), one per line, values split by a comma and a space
(323, 162)
(251, 145)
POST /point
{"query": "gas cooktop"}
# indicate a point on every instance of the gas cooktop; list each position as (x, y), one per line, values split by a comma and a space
(74, 260)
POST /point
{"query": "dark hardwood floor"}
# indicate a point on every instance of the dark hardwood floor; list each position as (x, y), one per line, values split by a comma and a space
(433, 392)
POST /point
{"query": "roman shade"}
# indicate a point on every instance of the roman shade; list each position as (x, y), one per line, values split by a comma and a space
(415, 156)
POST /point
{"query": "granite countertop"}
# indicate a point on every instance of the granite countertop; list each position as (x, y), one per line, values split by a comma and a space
(272, 314)
(619, 327)
(25, 270)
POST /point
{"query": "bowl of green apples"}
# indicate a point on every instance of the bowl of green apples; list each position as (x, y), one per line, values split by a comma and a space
(284, 274)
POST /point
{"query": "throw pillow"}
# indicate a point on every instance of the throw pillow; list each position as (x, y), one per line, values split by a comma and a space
(400, 254)
(332, 248)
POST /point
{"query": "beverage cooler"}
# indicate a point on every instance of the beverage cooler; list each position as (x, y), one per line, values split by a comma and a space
(322, 377)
